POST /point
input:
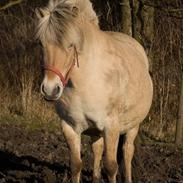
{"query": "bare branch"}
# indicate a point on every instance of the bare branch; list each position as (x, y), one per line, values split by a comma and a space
(157, 5)
(169, 11)
(10, 4)
(175, 10)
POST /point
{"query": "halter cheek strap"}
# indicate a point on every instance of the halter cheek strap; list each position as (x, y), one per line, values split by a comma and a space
(63, 79)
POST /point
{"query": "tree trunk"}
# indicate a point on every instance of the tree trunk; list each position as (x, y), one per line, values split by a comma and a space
(148, 32)
(126, 17)
(179, 127)
(136, 20)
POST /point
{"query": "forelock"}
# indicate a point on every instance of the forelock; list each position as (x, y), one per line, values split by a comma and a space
(58, 23)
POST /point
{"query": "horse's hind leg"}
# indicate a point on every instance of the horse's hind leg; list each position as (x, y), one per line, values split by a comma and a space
(74, 143)
(111, 138)
(128, 152)
(97, 148)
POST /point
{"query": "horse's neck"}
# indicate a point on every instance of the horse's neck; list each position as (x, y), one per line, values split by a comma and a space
(89, 56)
(93, 39)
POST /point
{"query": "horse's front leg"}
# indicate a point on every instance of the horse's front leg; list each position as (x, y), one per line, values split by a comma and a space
(74, 143)
(111, 139)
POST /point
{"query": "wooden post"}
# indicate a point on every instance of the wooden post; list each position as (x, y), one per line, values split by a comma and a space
(179, 127)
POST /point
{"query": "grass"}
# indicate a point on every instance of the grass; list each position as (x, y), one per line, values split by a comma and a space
(32, 124)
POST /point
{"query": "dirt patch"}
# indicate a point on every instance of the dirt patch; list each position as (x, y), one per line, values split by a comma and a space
(40, 156)
(158, 164)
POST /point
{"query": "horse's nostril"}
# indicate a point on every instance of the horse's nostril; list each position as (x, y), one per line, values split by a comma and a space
(56, 91)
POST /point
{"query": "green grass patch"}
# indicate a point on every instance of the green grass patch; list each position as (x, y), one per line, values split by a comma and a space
(32, 124)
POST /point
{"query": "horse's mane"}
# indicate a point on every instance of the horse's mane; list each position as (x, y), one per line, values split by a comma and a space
(58, 21)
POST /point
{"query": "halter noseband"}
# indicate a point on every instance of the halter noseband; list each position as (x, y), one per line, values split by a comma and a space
(63, 79)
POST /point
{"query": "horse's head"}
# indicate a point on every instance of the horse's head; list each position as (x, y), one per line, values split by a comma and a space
(58, 64)
(61, 39)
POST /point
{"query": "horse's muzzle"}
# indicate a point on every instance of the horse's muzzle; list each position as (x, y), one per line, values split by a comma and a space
(51, 94)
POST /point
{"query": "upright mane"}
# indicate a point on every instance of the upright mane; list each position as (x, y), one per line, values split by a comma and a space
(58, 21)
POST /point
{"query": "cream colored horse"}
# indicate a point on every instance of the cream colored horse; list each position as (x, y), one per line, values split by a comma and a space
(109, 91)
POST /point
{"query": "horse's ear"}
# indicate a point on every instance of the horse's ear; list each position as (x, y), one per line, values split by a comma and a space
(75, 11)
(40, 12)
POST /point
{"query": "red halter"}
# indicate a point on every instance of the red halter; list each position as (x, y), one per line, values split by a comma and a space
(63, 79)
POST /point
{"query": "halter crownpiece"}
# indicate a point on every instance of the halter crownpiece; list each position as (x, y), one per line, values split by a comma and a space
(63, 79)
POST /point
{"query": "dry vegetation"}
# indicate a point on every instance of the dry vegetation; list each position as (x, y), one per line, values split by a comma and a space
(20, 67)
(167, 49)
(20, 74)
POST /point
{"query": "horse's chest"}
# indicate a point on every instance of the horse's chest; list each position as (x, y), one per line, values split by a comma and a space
(81, 115)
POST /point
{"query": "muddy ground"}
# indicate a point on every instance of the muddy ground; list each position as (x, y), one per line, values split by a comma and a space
(39, 156)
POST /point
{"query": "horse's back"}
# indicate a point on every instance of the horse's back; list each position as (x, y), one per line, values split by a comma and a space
(130, 44)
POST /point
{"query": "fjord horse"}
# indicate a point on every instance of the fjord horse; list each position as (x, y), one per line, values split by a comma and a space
(99, 81)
